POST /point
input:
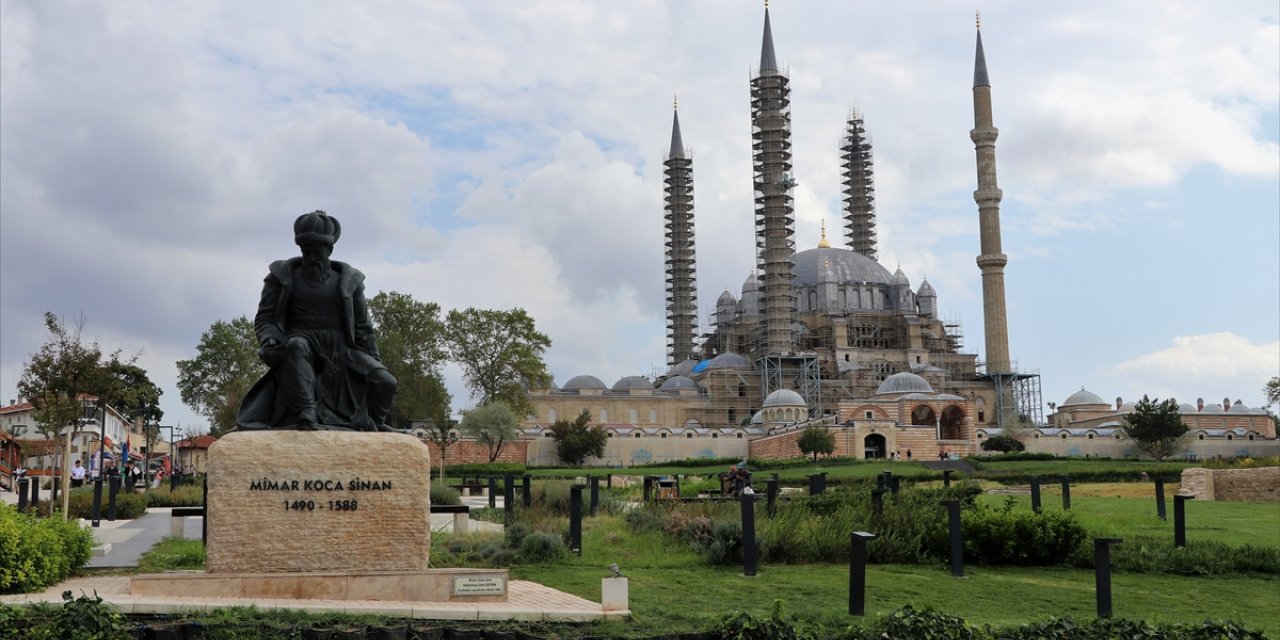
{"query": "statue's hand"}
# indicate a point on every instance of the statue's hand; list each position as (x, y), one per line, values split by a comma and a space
(270, 352)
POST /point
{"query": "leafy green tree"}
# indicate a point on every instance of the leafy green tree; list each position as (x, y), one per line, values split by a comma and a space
(411, 341)
(577, 439)
(225, 367)
(1003, 444)
(57, 380)
(1156, 427)
(1271, 392)
(817, 439)
(493, 425)
(500, 353)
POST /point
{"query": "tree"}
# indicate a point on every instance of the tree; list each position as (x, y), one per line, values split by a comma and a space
(1156, 427)
(493, 425)
(1003, 444)
(500, 353)
(442, 434)
(411, 340)
(225, 367)
(57, 380)
(817, 439)
(1271, 392)
(576, 439)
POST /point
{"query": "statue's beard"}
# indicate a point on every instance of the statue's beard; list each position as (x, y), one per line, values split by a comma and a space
(316, 272)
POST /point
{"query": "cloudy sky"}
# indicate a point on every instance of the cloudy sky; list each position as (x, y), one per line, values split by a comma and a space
(153, 156)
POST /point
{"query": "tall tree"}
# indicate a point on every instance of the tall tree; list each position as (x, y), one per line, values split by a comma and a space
(493, 425)
(226, 365)
(411, 338)
(576, 439)
(57, 380)
(815, 440)
(1156, 427)
(500, 353)
(1271, 392)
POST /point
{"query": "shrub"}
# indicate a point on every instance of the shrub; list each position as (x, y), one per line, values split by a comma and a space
(744, 626)
(185, 495)
(1003, 444)
(443, 495)
(1146, 554)
(923, 624)
(541, 547)
(80, 505)
(484, 469)
(1006, 536)
(38, 552)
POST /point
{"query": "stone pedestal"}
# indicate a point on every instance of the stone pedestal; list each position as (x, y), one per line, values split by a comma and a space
(614, 594)
(318, 501)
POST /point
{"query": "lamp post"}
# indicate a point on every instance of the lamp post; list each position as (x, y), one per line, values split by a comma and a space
(172, 482)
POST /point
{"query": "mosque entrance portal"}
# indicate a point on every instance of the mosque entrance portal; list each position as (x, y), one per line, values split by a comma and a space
(873, 446)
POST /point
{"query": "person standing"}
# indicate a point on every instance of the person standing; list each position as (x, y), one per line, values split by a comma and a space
(77, 475)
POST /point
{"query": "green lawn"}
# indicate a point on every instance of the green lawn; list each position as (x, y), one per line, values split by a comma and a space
(672, 589)
(1234, 523)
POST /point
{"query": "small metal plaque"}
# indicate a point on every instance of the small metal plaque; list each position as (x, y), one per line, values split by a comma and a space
(479, 586)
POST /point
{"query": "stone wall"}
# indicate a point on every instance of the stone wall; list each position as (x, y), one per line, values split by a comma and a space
(1123, 448)
(626, 452)
(470, 451)
(1236, 485)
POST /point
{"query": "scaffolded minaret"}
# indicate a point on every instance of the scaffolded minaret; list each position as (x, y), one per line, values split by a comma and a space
(859, 188)
(682, 286)
(988, 195)
(775, 218)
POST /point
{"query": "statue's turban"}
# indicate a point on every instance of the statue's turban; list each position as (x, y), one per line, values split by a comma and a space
(316, 227)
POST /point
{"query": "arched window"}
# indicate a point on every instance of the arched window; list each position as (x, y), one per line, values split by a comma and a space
(634, 415)
(551, 414)
(653, 415)
(813, 300)
(604, 415)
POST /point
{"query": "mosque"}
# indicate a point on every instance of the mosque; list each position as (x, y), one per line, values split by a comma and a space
(826, 335)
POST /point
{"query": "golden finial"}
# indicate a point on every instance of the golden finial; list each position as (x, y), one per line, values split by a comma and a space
(675, 101)
(823, 244)
(766, 5)
(978, 20)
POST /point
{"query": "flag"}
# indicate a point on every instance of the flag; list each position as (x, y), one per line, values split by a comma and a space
(124, 456)
(167, 468)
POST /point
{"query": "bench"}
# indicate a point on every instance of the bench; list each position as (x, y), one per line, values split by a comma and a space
(178, 519)
(461, 515)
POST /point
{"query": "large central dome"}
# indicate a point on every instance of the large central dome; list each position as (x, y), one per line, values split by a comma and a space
(847, 267)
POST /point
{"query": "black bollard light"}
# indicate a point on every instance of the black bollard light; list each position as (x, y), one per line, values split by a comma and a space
(1102, 573)
(1160, 498)
(595, 494)
(23, 490)
(1035, 495)
(748, 534)
(95, 515)
(895, 484)
(1180, 520)
(858, 571)
(771, 492)
(957, 543)
(508, 498)
(877, 501)
(648, 487)
(813, 484)
(113, 488)
(1066, 492)
(35, 494)
(575, 519)
(946, 477)
(608, 481)
(493, 492)
(526, 498)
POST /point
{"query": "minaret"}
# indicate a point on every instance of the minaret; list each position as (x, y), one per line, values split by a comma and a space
(682, 285)
(775, 217)
(992, 259)
(859, 188)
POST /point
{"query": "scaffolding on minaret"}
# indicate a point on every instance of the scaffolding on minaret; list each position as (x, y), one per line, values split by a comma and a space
(774, 210)
(859, 188)
(681, 267)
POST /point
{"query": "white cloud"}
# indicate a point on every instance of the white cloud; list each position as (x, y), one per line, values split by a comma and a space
(1211, 366)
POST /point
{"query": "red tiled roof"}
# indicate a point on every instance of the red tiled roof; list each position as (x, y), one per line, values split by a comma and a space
(198, 442)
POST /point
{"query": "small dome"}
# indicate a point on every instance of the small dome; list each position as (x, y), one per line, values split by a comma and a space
(577, 383)
(632, 382)
(784, 398)
(752, 283)
(1240, 407)
(900, 278)
(758, 418)
(676, 383)
(926, 289)
(1187, 407)
(683, 368)
(1213, 408)
(729, 361)
(726, 298)
(1083, 397)
(904, 383)
(1128, 407)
